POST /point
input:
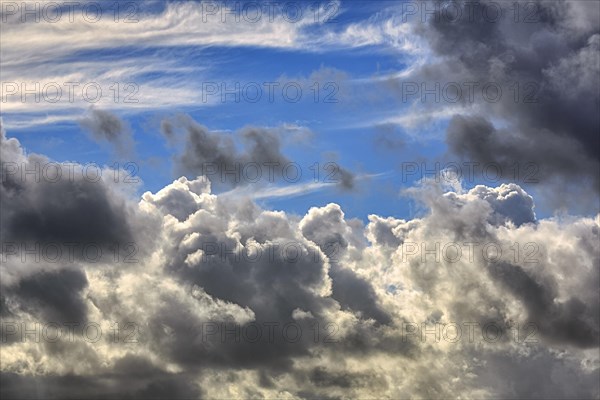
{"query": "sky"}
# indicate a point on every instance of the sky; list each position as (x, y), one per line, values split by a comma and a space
(353, 180)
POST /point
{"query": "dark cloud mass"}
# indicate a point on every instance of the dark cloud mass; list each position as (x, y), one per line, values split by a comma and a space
(55, 295)
(554, 56)
(62, 204)
(199, 292)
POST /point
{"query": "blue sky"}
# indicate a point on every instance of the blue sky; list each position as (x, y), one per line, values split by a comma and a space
(358, 121)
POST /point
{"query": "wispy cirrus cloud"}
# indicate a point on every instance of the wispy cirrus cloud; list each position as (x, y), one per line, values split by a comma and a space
(126, 62)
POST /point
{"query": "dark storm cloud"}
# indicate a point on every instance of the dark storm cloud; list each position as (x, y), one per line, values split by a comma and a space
(565, 380)
(555, 120)
(181, 288)
(272, 289)
(540, 158)
(79, 212)
(572, 321)
(131, 377)
(107, 127)
(355, 293)
(148, 381)
(322, 377)
(73, 208)
(249, 284)
(53, 296)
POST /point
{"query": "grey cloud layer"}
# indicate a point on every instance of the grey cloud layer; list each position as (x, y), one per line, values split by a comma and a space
(366, 291)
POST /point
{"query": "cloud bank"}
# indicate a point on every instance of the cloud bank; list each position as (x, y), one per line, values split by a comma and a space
(226, 299)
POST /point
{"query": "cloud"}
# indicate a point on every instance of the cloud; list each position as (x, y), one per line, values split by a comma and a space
(215, 268)
(105, 126)
(66, 76)
(260, 163)
(53, 296)
(48, 201)
(63, 213)
(208, 153)
(223, 298)
(548, 72)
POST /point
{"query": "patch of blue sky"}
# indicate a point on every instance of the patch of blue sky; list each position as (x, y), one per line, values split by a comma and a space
(364, 130)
